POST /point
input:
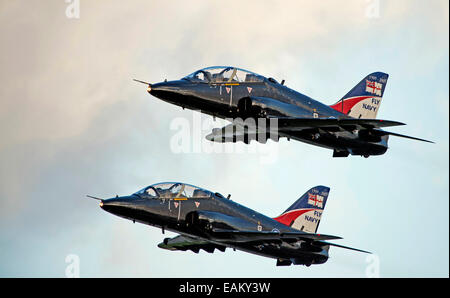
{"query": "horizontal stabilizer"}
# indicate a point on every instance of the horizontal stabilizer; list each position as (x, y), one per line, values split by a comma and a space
(342, 246)
(403, 136)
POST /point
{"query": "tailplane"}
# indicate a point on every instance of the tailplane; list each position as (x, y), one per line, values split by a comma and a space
(306, 212)
(364, 100)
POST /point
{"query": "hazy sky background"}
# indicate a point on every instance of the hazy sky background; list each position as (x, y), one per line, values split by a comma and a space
(74, 123)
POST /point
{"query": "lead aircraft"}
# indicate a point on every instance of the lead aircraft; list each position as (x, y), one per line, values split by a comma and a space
(209, 221)
(245, 98)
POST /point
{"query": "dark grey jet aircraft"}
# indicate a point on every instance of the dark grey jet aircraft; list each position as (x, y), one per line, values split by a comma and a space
(209, 221)
(246, 98)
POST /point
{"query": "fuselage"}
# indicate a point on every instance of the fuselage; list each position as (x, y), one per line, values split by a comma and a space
(229, 99)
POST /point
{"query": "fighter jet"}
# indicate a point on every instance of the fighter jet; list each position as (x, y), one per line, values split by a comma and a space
(260, 108)
(208, 221)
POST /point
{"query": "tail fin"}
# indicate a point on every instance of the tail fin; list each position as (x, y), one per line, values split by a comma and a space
(364, 100)
(305, 213)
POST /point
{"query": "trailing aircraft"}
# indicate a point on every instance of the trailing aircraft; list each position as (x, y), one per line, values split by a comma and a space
(207, 220)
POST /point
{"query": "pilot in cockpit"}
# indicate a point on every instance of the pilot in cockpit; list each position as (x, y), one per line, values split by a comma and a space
(203, 76)
(171, 191)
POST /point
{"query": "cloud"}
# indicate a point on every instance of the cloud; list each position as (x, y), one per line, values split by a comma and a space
(73, 123)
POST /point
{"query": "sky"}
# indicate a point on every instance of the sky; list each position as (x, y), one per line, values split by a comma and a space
(74, 123)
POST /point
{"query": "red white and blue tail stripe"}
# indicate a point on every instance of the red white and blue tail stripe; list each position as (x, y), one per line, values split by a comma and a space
(306, 212)
(364, 100)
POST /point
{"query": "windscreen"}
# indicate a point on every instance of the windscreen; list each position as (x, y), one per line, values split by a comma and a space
(224, 74)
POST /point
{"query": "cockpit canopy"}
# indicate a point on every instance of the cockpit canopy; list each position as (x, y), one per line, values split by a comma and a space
(223, 74)
(172, 190)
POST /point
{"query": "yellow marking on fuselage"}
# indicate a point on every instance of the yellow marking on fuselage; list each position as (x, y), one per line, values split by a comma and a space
(180, 199)
(225, 84)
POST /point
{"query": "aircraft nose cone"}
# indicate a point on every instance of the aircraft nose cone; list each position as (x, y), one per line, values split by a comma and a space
(171, 86)
(118, 206)
(175, 92)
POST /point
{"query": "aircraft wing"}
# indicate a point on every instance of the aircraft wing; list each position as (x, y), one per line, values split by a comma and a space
(250, 236)
(264, 237)
(184, 243)
(332, 124)
(237, 131)
(241, 131)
